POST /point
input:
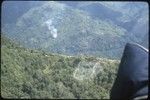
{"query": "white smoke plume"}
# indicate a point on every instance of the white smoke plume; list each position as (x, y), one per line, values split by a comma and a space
(52, 29)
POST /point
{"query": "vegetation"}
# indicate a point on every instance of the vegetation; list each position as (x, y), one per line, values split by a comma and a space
(27, 73)
(66, 49)
(78, 30)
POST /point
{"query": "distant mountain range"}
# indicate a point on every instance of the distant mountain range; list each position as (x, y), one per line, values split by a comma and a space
(77, 28)
(66, 49)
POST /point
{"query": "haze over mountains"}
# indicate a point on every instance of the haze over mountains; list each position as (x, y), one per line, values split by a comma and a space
(66, 49)
(76, 28)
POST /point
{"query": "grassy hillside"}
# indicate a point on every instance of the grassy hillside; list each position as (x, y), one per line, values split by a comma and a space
(27, 73)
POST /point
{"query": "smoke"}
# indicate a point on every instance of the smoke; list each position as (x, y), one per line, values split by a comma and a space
(54, 32)
(51, 28)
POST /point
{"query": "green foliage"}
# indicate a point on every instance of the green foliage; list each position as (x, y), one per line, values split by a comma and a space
(78, 32)
(28, 73)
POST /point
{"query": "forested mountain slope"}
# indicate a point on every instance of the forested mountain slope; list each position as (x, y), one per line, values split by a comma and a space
(76, 28)
(27, 73)
(66, 49)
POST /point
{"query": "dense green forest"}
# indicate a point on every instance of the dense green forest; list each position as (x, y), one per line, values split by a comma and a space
(27, 73)
(89, 28)
(66, 49)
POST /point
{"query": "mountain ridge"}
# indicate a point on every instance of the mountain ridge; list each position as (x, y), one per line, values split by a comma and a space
(37, 74)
